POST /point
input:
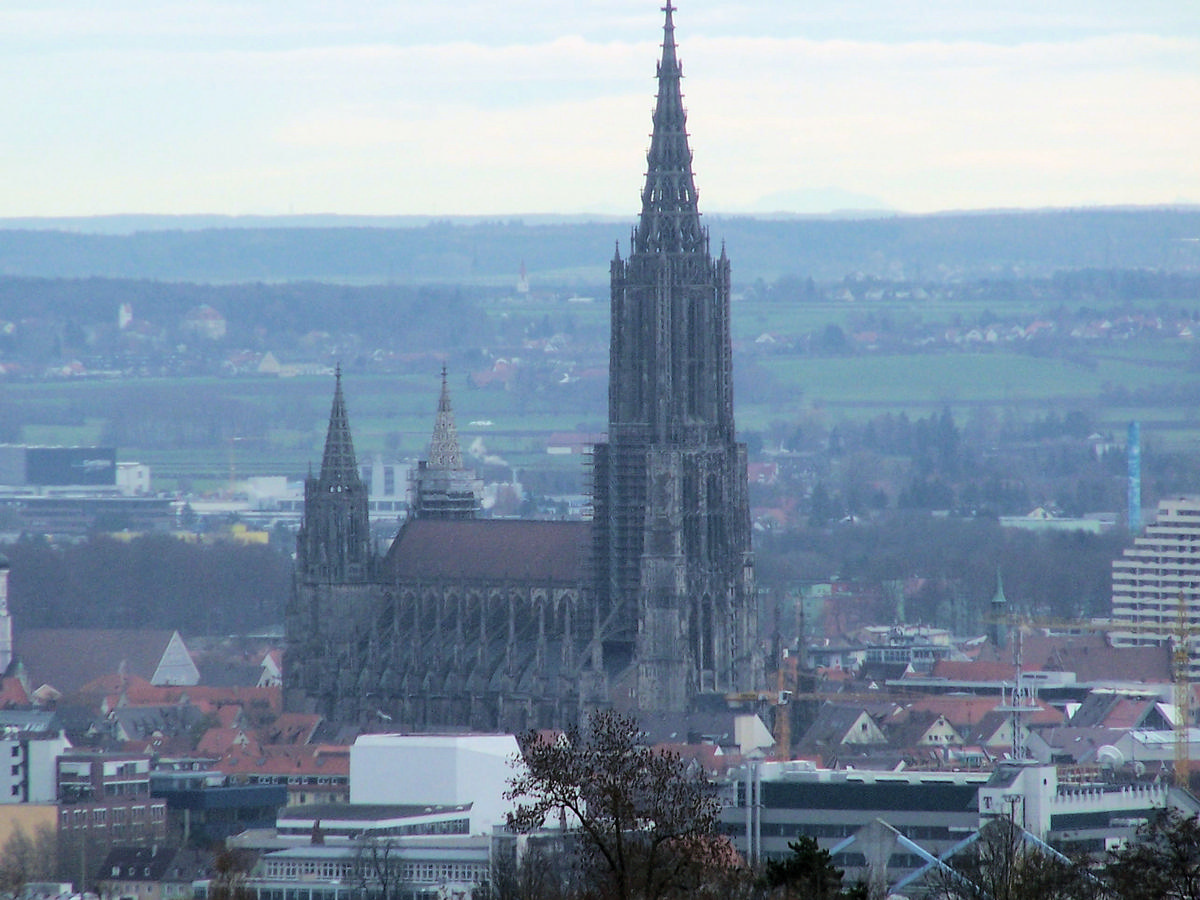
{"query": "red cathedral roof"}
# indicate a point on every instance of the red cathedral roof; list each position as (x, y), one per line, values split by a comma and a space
(491, 550)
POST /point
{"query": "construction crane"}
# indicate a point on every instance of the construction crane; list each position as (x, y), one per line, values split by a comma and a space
(1181, 664)
(1180, 638)
(779, 700)
(782, 698)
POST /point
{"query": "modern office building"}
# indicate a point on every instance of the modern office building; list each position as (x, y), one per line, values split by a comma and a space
(925, 813)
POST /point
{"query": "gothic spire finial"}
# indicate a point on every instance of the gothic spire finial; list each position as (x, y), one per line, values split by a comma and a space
(668, 57)
(670, 218)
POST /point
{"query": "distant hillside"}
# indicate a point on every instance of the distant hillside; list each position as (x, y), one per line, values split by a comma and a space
(563, 251)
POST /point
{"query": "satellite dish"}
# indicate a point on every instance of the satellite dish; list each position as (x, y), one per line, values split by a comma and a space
(1108, 755)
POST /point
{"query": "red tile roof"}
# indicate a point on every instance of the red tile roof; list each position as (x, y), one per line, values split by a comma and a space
(265, 701)
(970, 711)
(12, 693)
(981, 670)
(1128, 713)
(286, 760)
(219, 741)
(1089, 656)
(290, 728)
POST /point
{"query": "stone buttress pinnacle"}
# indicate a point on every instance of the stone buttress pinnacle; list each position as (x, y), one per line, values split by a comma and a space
(670, 217)
(444, 452)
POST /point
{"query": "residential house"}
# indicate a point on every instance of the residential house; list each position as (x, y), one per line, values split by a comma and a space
(151, 873)
(105, 802)
(841, 730)
(312, 773)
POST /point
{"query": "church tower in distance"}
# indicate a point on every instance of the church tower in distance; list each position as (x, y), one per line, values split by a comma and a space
(671, 558)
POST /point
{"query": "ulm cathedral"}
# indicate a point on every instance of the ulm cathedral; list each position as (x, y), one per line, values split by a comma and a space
(486, 624)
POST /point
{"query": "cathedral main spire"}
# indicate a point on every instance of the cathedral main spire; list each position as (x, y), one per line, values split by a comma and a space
(670, 217)
(671, 523)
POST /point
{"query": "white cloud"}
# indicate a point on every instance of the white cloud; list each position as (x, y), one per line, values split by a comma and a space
(387, 107)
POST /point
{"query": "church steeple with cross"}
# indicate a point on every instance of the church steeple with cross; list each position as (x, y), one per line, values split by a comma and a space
(671, 517)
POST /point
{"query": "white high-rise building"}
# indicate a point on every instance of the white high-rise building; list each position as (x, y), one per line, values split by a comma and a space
(1157, 576)
(6, 630)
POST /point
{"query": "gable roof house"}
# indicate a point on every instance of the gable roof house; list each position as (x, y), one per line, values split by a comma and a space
(919, 729)
(152, 873)
(1115, 710)
(840, 729)
(141, 723)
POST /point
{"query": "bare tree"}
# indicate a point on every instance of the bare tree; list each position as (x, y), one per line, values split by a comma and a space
(642, 822)
(1163, 863)
(1002, 864)
(28, 857)
(230, 870)
(544, 871)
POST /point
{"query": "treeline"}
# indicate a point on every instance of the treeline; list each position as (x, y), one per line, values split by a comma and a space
(155, 582)
(921, 247)
(1065, 292)
(1046, 573)
(990, 466)
(426, 316)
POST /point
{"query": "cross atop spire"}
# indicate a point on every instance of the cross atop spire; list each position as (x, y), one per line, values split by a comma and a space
(670, 218)
(669, 41)
(339, 467)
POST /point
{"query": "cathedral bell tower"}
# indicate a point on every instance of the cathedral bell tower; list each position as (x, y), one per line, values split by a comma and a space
(332, 589)
(672, 558)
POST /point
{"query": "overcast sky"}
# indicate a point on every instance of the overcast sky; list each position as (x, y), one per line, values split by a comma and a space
(528, 106)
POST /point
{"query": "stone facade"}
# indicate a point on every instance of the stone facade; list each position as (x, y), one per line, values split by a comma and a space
(490, 624)
(673, 563)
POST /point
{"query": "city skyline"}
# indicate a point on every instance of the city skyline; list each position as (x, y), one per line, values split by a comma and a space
(266, 108)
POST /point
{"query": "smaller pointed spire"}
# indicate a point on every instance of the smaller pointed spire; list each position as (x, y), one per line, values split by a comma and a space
(444, 452)
(440, 487)
(339, 466)
(999, 615)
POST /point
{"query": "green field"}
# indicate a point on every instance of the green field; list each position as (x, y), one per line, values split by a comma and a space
(954, 378)
(277, 426)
